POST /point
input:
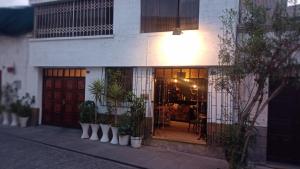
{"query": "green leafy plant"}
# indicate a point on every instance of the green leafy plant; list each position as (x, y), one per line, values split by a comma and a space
(97, 90)
(2, 108)
(86, 109)
(105, 118)
(24, 105)
(9, 95)
(124, 126)
(137, 115)
(115, 93)
(263, 50)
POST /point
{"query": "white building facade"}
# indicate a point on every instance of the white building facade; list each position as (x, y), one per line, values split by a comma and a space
(66, 52)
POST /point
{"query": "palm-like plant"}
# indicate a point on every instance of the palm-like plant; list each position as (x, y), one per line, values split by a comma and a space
(97, 90)
(115, 95)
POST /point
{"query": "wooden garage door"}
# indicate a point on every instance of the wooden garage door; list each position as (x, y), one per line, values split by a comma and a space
(63, 91)
(284, 127)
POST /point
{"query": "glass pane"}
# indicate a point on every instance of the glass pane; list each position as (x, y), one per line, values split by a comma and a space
(203, 73)
(54, 72)
(72, 72)
(83, 73)
(49, 72)
(60, 72)
(78, 71)
(194, 73)
(186, 73)
(175, 73)
(168, 73)
(67, 73)
(159, 73)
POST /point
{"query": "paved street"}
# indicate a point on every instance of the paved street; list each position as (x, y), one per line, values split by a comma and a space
(17, 153)
(47, 147)
(54, 147)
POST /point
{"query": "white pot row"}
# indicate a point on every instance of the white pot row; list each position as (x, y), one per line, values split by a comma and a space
(13, 120)
(122, 140)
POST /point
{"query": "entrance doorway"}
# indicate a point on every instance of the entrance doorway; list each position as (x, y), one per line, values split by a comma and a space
(284, 126)
(63, 91)
(180, 104)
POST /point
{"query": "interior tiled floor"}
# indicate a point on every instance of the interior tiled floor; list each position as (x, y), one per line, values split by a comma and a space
(178, 131)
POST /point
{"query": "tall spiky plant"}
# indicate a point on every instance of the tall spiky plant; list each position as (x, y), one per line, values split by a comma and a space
(97, 90)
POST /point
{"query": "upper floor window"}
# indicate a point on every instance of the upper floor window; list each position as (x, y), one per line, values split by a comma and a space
(161, 15)
(74, 18)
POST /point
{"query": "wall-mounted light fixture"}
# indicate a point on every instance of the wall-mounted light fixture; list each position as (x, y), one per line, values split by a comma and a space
(177, 30)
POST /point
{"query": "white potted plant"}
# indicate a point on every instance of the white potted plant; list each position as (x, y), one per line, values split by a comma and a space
(15, 109)
(105, 121)
(25, 110)
(97, 90)
(86, 108)
(137, 116)
(8, 95)
(124, 129)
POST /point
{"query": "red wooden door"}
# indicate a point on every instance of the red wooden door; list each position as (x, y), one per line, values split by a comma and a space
(61, 99)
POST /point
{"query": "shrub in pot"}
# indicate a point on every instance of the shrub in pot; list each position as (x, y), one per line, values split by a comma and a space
(124, 129)
(25, 111)
(116, 95)
(86, 108)
(97, 90)
(2, 109)
(8, 95)
(137, 116)
(15, 108)
(105, 121)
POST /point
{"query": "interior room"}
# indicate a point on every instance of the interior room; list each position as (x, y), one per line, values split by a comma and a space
(180, 110)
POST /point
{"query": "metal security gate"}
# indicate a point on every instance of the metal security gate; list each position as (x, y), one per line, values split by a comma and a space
(63, 91)
(220, 109)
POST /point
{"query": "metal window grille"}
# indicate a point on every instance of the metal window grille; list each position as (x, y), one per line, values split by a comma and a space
(74, 18)
(221, 110)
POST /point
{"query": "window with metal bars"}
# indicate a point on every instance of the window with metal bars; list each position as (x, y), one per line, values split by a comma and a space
(162, 15)
(74, 18)
(124, 77)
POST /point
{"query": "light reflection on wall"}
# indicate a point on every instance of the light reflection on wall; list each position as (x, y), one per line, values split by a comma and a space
(182, 49)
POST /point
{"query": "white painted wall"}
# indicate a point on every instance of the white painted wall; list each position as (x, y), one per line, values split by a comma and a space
(127, 47)
(14, 51)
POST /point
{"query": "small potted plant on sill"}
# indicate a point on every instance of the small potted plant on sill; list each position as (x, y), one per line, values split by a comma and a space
(25, 110)
(86, 108)
(124, 129)
(137, 116)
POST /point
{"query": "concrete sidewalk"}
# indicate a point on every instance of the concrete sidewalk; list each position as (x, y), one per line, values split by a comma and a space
(147, 157)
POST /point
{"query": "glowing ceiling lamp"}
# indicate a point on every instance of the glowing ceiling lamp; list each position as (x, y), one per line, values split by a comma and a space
(177, 30)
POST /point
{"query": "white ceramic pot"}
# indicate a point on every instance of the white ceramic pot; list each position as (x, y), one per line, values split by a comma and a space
(105, 129)
(95, 128)
(114, 139)
(14, 120)
(124, 140)
(136, 142)
(85, 130)
(5, 118)
(23, 121)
